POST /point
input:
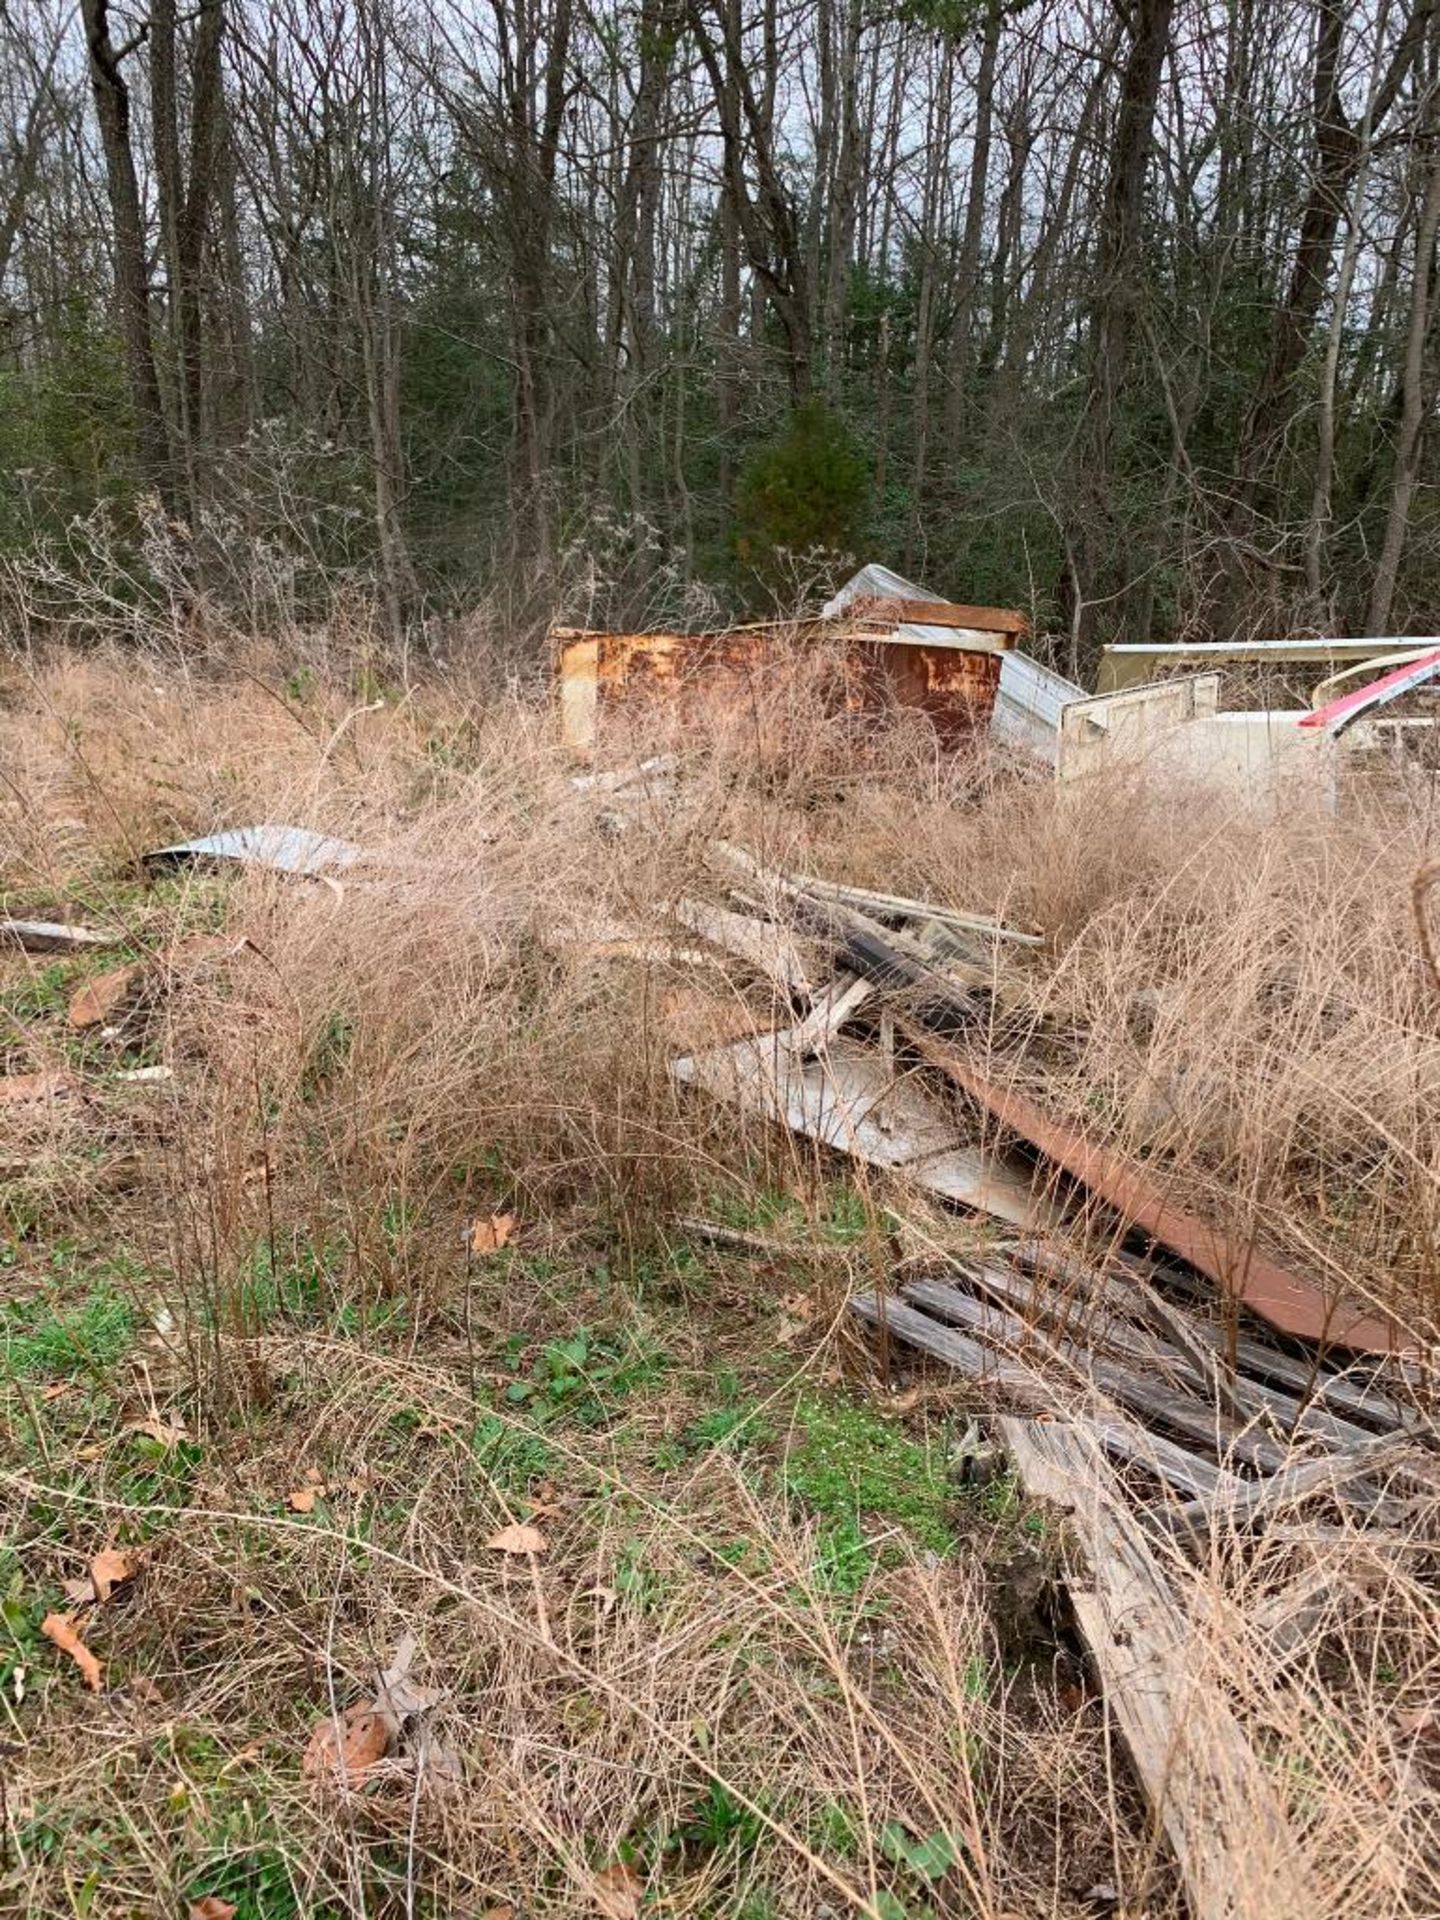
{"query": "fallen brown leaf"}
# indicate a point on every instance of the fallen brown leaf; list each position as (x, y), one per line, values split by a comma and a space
(211, 1907)
(19, 1089)
(349, 1750)
(618, 1891)
(303, 1499)
(98, 1000)
(496, 1913)
(57, 1389)
(1419, 1723)
(397, 1696)
(489, 1236)
(110, 1569)
(517, 1539)
(60, 1628)
(160, 1430)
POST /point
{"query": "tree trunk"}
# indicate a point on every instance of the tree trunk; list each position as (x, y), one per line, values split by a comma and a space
(967, 279)
(1415, 404)
(1098, 567)
(1318, 529)
(132, 283)
(1337, 156)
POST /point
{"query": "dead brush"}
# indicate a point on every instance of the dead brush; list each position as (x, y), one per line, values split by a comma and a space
(479, 1022)
(635, 1696)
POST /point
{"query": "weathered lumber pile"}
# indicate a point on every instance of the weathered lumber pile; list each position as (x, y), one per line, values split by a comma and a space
(1178, 1391)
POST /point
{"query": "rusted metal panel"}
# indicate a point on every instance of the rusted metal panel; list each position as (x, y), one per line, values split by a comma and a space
(960, 690)
(1287, 1300)
(954, 686)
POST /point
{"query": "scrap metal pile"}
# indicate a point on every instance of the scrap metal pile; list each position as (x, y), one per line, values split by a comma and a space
(1181, 1393)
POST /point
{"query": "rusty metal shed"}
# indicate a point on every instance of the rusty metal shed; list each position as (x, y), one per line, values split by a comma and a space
(935, 656)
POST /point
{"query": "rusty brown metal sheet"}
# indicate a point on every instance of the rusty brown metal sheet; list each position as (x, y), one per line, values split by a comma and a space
(938, 613)
(1288, 1301)
(954, 686)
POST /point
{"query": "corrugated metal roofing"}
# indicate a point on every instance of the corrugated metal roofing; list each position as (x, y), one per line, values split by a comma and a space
(1029, 703)
(287, 849)
(1030, 696)
(879, 583)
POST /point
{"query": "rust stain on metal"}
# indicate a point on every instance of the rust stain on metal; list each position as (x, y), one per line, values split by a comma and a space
(1289, 1302)
(952, 683)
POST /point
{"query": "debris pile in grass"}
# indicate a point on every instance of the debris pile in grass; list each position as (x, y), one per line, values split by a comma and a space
(368, 1316)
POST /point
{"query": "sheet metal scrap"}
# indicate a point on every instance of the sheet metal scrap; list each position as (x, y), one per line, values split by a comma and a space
(850, 1098)
(1338, 715)
(284, 849)
(53, 936)
(1288, 1301)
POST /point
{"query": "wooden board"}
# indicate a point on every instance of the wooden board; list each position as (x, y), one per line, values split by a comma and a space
(937, 613)
(1208, 1790)
(51, 936)
(1160, 1400)
(772, 951)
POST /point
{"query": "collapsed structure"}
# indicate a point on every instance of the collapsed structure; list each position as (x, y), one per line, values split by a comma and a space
(894, 646)
(1184, 1396)
(1157, 710)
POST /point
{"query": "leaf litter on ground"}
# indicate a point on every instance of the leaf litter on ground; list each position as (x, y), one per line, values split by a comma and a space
(490, 1235)
(349, 1747)
(165, 1433)
(111, 1568)
(618, 1891)
(61, 1629)
(517, 1538)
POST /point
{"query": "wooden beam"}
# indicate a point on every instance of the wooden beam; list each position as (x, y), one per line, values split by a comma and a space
(1207, 1788)
(936, 613)
(1186, 1472)
(50, 936)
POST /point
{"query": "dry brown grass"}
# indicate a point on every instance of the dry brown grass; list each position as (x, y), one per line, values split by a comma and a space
(693, 1675)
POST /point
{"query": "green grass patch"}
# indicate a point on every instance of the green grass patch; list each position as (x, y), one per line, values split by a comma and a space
(584, 1377)
(510, 1456)
(38, 1340)
(842, 1217)
(847, 1462)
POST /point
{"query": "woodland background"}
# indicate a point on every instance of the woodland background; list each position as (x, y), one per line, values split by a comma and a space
(1126, 314)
